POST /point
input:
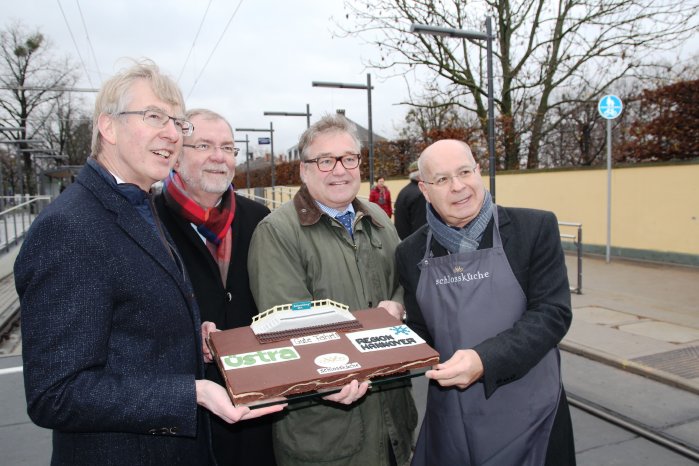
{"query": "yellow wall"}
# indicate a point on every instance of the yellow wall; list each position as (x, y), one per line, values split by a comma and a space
(654, 208)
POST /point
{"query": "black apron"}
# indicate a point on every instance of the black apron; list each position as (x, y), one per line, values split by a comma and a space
(465, 299)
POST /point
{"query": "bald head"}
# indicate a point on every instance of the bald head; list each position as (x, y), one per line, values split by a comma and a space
(452, 181)
(438, 149)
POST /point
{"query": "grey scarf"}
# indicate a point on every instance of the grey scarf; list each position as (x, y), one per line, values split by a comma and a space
(464, 239)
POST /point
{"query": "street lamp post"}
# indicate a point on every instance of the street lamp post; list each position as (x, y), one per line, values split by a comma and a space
(474, 35)
(247, 160)
(271, 139)
(307, 114)
(368, 88)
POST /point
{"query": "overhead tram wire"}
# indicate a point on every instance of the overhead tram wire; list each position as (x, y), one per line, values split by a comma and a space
(230, 20)
(196, 36)
(65, 19)
(89, 42)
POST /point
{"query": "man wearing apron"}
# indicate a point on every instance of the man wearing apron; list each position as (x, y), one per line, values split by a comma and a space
(487, 287)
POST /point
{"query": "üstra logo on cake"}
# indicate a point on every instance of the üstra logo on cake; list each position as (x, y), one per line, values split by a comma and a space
(258, 358)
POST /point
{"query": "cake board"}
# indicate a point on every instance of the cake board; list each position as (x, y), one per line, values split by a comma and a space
(317, 364)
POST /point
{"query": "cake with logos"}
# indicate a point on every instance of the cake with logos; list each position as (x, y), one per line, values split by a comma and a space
(314, 347)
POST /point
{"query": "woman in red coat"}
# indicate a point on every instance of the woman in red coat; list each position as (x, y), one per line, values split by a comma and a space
(382, 196)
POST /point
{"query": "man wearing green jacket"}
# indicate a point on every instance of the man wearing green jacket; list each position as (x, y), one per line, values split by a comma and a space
(326, 243)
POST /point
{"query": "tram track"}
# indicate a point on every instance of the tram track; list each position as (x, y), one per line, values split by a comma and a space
(647, 432)
(9, 319)
(9, 308)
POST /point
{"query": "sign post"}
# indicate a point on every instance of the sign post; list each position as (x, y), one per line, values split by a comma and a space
(609, 108)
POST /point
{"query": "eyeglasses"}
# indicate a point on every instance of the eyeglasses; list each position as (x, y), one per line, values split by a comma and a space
(463, 176)
(204, 147)
(158, 119)
(327, 163)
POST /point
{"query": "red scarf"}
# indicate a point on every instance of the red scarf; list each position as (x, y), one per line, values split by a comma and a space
(214, 224)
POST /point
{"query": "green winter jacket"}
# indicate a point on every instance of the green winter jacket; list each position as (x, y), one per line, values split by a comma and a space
(299, 253)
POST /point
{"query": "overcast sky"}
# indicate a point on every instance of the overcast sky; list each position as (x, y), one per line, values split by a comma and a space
(270, 53)
(265, 61)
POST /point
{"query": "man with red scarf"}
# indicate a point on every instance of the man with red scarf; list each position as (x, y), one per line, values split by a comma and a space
(211, 227)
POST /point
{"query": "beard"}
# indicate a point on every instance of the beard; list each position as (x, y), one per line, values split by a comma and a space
(209, 182)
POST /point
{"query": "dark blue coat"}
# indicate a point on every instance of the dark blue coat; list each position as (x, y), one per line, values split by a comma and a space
(111, 334)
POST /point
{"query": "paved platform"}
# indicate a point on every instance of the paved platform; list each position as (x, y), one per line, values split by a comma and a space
(639, 316)
(643, 317)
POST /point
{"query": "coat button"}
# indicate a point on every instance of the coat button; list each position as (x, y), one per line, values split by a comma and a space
(229, 296)
(174, 430)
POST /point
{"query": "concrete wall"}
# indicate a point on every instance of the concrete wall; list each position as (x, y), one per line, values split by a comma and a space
(655, 208)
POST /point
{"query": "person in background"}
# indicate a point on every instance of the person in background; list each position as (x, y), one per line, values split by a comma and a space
(211, 226)
(326, 243)
(410, 205)
(487, 287)
(382, 196)
(111, 337)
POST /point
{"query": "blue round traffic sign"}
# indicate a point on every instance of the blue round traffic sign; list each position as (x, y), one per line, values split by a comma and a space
(609, 107)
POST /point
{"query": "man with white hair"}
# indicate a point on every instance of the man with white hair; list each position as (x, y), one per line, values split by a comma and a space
(112, 347)
(211, 226)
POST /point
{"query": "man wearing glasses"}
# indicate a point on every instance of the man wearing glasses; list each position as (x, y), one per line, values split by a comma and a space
(326, 243)
(211, 227)
(487, 287)
(112, 348)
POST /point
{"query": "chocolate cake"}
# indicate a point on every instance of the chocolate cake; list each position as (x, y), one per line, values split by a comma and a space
(255, 371)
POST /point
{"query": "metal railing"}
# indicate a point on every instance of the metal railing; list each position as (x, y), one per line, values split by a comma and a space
(272, 197)
(15, 220)
(577, 242)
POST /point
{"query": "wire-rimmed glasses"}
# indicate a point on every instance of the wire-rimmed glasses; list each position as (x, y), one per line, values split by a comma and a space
(158, 119)
(227, 149)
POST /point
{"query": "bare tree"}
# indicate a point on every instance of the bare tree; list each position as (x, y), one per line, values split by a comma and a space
(430, 115)
(548, 54)
(67, 128)
(29, 78)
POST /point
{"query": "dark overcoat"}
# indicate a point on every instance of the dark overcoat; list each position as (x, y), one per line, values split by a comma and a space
(230, 306)
(410, 210)
(111, 334)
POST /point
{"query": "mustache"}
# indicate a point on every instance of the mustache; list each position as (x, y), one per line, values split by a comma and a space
(217, 167)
